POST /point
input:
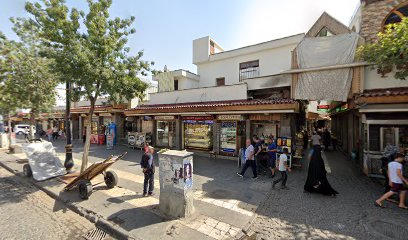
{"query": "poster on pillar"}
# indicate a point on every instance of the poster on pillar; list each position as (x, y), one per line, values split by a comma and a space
(188, 173)
(178, 179)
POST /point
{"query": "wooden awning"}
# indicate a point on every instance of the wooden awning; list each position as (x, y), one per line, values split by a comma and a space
(222, 107)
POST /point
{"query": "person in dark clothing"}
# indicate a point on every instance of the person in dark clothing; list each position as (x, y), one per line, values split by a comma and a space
(305, 139)
(147, 165)
(316, 177)
(326, 139)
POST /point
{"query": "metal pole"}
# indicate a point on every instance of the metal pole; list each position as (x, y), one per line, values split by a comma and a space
(69, 163)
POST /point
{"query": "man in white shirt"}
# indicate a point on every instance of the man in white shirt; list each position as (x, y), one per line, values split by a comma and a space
(283, 168)
(316, 139)
(396, 182)
(249, 160)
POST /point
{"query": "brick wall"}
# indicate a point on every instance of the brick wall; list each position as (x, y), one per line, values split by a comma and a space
(373, 15)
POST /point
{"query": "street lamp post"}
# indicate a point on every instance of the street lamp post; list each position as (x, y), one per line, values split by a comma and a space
(69, 163)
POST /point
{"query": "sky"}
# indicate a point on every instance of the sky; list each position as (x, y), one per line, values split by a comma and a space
(165, 29)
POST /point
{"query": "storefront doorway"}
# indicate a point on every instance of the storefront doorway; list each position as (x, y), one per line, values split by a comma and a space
(165, 133)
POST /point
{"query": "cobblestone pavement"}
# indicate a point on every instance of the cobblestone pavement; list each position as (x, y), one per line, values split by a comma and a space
(27, 213)
(293, 214)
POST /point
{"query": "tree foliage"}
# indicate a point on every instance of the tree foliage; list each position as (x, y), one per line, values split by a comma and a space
(390, 50)
(26, 80)
(90, 51)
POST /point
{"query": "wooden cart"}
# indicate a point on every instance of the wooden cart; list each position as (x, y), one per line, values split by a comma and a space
(83, 180)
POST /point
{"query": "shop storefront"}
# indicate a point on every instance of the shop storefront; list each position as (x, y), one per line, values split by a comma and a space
(380, 130)
(198, 132)
(266, 125)
(165, 131)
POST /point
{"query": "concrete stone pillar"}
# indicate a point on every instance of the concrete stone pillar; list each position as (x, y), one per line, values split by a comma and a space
(248, 129)
(176, 183)
(178, 134)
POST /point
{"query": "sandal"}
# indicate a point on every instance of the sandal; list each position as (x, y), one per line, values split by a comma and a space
(405, 208)
(378, 205)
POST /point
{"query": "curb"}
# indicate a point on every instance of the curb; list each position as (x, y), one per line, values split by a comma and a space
(113, 230)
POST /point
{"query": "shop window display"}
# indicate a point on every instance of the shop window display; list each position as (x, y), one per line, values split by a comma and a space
(198, 134)
(228, 136)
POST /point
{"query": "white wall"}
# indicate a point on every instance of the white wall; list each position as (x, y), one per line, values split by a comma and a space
(222, 93)
(271, 61)
(186, 83)
(373, 80)
(201, 49)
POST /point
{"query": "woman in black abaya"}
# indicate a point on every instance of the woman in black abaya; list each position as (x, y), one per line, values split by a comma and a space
(316, 178)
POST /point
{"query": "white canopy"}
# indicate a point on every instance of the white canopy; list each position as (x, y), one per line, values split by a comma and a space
(320, 52)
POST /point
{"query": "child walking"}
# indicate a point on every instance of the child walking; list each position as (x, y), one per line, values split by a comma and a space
(283, 169)
(396, 182)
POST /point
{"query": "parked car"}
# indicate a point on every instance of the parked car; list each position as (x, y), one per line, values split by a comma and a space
(20, 129)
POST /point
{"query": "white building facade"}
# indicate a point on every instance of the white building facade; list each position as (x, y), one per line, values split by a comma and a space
(234, 95)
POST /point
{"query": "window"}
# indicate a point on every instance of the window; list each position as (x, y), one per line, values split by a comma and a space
(324, 32)
(176, 86)
(396, 15)
(248, 70)
(220, 81)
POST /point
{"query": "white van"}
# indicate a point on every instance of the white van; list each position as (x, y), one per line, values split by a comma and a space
(20, 129)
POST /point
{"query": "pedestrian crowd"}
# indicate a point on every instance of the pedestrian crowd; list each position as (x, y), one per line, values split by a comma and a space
(278, 164)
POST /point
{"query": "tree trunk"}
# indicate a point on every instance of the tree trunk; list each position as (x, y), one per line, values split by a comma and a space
(9, 129)
(88, 137)
(32, 125)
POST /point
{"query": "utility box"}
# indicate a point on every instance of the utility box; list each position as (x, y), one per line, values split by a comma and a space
(176, 183)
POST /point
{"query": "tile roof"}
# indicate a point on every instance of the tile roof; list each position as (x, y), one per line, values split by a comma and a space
(383, 92)
(217, 104)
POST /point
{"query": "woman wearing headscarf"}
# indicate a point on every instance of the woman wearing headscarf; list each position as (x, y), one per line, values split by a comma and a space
(316, 178)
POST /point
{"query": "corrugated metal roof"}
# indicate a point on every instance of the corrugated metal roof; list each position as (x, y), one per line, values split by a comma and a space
(385, 92)
(217, 104)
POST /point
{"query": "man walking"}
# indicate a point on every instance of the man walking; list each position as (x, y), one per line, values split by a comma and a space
(272, 149)
(250, 160)
(147, 165)
(396, 182)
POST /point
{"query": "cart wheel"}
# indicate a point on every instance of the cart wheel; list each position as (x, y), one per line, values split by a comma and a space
(27, 170)
(84, 189)
(111, 179)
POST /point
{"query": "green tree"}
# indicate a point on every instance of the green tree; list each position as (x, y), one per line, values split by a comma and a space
(390, 50)
(26, 78)
(90, 51)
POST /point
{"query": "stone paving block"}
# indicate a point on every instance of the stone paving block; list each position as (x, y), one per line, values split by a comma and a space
(223, 226)
(211, 222)
(206, 229)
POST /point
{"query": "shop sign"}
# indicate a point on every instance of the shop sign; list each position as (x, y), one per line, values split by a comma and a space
(105, 114)
(109, 141)
(147, 118)
(229, 117)
(131, 140)
(198, 118)
(164, 118)
(323, 107)
(342, 108)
